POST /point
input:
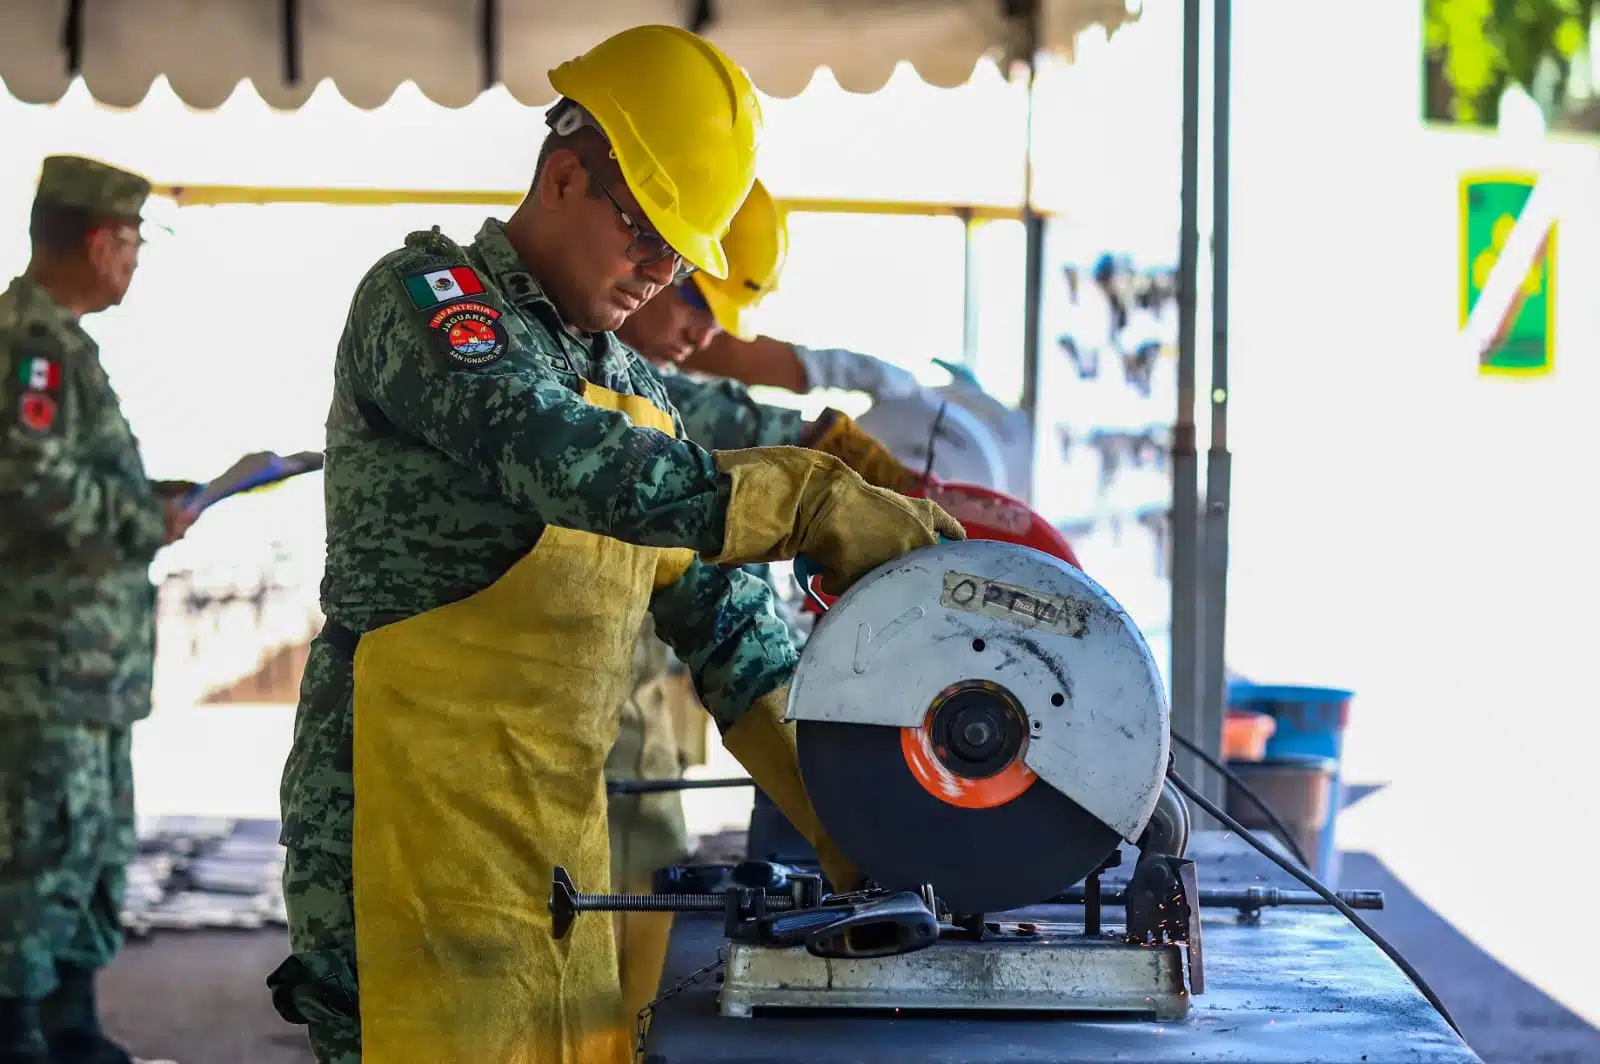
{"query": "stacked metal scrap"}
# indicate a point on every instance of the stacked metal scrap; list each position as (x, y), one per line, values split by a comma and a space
(201, 872)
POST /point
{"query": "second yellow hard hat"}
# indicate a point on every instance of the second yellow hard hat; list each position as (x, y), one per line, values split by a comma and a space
(757, 245)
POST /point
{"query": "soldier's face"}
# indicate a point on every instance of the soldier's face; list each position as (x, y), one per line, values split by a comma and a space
(670, 327)
(113, 256)
(604, 261)
(629, 263)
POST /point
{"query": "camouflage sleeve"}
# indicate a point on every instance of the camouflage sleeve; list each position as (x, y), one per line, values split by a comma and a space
(498, 399)
(722, 623)
(54, 500)
(720, 415)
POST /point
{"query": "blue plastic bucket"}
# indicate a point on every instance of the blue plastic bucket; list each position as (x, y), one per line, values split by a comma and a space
(1311, 721)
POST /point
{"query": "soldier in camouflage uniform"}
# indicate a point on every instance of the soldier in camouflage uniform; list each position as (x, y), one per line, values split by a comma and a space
(77, 616)
(648, 830)
(509, 493)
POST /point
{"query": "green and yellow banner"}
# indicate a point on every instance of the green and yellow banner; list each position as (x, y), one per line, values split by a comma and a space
(1491, 203)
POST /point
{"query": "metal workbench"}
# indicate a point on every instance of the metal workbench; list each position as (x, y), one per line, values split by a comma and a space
(1304, 986)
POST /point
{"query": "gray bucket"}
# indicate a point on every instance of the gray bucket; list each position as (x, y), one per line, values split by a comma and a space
(1297, 787)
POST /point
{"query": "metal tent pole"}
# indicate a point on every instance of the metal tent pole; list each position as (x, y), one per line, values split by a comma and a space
(969, 291)
(1033, 254)
(1219, 462)
(1185, 663)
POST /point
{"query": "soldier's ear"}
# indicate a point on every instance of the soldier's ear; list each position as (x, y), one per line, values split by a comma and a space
(100, 245)
(560, 179)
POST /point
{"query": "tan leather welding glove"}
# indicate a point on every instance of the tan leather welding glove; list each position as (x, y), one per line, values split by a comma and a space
(764, 743)
(788, 501)
(856, 448)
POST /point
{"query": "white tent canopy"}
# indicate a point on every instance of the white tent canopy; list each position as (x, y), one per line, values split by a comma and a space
(367, 48)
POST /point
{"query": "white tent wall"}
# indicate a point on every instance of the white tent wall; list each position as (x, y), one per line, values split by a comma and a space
(1402, 525)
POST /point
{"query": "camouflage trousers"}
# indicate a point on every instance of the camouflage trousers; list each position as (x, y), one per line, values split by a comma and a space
(317, 986)
(67, 832)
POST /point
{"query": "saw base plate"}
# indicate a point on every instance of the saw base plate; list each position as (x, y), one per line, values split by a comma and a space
(1058, 969)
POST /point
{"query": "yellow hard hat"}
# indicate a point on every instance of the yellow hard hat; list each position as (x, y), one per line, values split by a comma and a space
(684, 123)
(757, 246)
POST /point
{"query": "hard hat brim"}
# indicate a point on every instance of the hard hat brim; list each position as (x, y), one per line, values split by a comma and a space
(730, 315)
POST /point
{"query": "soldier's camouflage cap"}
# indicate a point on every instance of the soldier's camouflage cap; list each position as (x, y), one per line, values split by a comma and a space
(90, 185)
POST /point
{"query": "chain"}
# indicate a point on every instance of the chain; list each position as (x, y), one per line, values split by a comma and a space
(677, 988)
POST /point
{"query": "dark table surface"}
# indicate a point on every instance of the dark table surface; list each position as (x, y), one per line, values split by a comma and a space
(1303, 986)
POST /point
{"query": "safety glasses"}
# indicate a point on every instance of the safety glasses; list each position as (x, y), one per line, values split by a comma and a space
(648, 246)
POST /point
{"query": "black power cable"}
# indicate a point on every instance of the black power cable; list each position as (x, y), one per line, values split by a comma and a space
(933, 442)
(1327, 895)
(1278, 826)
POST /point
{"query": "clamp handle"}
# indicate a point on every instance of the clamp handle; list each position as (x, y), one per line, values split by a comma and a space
(806, 567)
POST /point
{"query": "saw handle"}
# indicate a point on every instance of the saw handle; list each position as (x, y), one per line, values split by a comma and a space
(888, 927)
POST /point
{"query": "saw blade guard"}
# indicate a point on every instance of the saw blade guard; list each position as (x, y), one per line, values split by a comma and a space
(984, 514)
(1005, 668)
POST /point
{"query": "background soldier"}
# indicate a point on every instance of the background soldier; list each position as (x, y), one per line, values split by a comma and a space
(77, 616)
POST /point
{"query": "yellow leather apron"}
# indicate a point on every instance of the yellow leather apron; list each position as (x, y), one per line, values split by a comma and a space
(656, 739)
(647, 830)
(481, 731)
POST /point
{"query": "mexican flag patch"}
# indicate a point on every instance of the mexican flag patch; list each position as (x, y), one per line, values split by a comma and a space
(39, 374)
(441, 286)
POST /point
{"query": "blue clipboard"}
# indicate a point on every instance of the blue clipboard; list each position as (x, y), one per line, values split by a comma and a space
(251, 473)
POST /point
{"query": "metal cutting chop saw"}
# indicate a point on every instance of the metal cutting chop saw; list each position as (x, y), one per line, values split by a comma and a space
(980, 725)
(981, 728)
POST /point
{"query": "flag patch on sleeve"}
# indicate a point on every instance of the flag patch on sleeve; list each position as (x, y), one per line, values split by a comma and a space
(39, 374)
(441, 286)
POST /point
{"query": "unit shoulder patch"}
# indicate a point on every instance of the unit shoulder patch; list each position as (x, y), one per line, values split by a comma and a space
(469, 333)
(37, 412)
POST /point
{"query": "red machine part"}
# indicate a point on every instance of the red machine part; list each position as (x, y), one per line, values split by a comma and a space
(986, 514)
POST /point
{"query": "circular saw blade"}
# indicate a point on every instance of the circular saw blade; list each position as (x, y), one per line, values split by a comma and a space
(979, 860)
